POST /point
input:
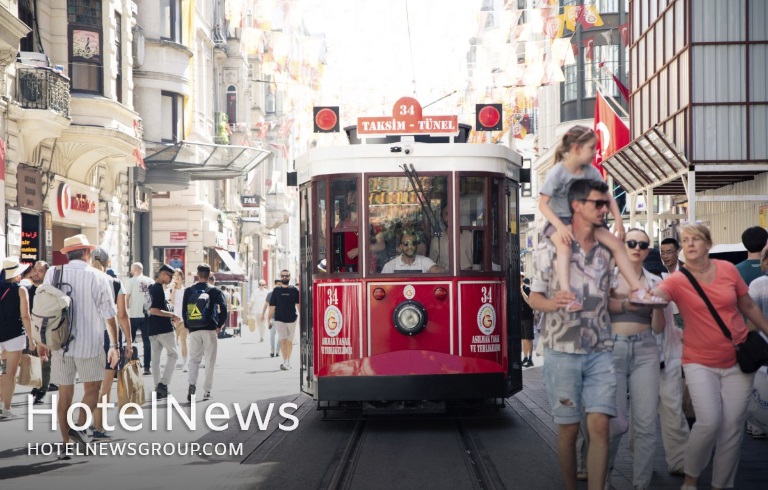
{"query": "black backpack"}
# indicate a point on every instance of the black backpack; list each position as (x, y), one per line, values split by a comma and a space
(200, 312)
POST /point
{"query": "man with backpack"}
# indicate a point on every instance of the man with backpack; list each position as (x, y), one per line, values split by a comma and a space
(92, 304)
(136, 295)
(204, 313)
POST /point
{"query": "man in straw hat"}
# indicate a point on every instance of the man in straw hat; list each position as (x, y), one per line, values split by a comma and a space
(93, 305)
(14, 327)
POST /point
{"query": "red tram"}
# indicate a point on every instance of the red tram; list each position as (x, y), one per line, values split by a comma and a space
(409, 270)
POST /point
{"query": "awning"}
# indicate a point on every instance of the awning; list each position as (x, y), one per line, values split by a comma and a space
(649, 161)
(653, 161)
(202, 161)
(229, 261)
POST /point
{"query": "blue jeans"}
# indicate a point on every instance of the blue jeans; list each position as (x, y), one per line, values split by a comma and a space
(141, 324)
(579, 383)
(636, 360)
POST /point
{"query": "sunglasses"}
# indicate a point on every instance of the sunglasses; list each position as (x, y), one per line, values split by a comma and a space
(635, 244)
(283, 275)
(599, 203)
(408, 243)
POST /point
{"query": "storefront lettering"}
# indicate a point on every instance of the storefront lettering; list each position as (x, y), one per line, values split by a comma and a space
(336, 345)
(485, 343)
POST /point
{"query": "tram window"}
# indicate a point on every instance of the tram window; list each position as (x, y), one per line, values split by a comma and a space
(346, 229)
(320, 224)
(394, 206)
(479, 199)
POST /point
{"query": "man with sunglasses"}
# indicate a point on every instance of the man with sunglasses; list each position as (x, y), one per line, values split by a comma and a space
(409, 260)
(577, 345)
(283, 306)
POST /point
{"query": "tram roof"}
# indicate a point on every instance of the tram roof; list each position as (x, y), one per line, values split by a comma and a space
(426, 157)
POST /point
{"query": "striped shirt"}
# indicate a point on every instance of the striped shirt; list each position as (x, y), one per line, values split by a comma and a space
(93, 300)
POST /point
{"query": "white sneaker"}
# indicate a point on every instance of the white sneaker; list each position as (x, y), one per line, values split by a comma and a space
(6, 413)
(185, 368)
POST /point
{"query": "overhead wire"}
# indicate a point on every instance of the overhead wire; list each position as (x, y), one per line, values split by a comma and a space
(410, 46)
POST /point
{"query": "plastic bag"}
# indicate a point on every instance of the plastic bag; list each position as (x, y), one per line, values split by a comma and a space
(757, 410)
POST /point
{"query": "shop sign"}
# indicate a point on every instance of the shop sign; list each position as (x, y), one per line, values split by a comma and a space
(178, 238)
(221, 239)
(763, 216)
(30, 239)
(14, 229)
(142, 199)
(29, 188)
(68, 200)
(250, 201)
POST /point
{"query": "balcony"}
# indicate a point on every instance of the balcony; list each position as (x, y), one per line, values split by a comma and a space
(43, 89)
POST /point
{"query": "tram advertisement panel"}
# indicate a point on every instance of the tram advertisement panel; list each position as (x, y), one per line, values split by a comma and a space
(482, 319)
(337, 323)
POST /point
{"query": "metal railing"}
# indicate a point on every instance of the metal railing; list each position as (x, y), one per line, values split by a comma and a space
(42, 88)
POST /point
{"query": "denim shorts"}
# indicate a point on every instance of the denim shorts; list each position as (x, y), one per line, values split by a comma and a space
(579, 383)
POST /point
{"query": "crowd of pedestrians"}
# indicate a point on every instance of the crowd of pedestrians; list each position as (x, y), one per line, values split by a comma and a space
(623, 347)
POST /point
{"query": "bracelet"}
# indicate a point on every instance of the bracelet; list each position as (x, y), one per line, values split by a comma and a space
(113, 346)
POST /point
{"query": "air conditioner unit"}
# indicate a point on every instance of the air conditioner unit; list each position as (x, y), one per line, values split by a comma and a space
(33, 58)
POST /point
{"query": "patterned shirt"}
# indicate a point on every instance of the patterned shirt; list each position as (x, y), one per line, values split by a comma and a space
(93, 302)
(758, 290)
(581, 332)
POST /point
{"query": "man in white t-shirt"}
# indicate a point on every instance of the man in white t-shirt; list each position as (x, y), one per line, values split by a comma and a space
(409, 260)
(256, 306)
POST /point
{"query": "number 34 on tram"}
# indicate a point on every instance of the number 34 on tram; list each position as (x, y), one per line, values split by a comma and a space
(410, 261)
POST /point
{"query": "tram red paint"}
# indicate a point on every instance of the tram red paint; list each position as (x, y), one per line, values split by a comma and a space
(337, 324)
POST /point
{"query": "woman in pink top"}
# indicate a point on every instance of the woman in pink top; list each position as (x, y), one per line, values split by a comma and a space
(719, 390)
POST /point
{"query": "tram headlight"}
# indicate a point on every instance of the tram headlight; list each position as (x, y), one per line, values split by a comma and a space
(410, 317)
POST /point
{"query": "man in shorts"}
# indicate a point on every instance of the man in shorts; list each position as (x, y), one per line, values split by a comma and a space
(283, 306)
(577, 345)
(93, 305)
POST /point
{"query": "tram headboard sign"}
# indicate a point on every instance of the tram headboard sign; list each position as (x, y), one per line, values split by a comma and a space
(407, 119)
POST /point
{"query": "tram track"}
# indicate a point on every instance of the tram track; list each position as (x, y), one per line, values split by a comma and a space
(348, 468)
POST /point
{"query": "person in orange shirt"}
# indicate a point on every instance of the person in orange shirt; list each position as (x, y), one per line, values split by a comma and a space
(719, 389)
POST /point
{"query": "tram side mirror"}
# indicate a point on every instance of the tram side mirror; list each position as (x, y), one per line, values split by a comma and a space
(525, 175)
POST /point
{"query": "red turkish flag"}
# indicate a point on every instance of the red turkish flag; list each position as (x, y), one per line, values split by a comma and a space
(612, 133)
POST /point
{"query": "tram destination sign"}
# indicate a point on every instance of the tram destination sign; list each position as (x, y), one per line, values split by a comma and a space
(407, 119)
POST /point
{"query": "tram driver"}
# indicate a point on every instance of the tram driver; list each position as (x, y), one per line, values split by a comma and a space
(409, 260)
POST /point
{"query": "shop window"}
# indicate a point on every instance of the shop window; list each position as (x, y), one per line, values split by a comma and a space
(232, 104)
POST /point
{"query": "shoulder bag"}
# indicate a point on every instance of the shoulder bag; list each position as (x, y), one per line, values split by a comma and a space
(750, 354)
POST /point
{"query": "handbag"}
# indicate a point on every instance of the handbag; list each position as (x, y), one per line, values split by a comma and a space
(130, 386)
(750, 354)
(30, 371)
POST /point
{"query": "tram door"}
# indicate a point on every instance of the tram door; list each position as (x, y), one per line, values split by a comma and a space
(514, 298)
(306, 261)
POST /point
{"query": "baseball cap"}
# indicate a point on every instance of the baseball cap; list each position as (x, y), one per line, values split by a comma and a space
(111, 273)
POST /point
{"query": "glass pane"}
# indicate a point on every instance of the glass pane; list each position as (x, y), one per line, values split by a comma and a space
(320, 223)
(85, 76)
(166, 118)
(472, 220)
(394, 209)
(346, 228)
(496, 241)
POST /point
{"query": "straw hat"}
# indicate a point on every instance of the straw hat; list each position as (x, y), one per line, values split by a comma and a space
(13, 268)
(75, 243)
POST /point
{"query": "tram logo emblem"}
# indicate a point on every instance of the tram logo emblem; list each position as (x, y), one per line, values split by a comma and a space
(333, 321)
(409, 292)
(486, 319)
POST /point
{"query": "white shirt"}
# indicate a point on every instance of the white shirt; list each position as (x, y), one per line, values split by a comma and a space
(93, 300)
(420, 263)
(258, 298)
(137, 287)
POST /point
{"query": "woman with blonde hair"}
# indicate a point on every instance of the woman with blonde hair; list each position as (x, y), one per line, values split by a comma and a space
(177, 298)
(719, 389)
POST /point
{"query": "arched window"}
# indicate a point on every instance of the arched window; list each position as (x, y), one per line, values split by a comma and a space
(232, 104)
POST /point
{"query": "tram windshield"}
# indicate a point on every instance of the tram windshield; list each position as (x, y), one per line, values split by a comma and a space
(402, 221)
